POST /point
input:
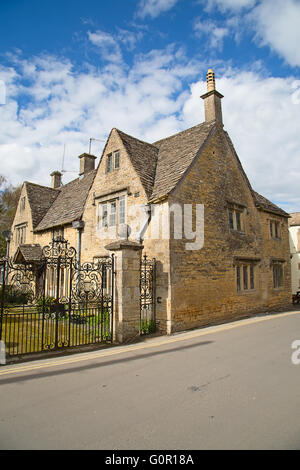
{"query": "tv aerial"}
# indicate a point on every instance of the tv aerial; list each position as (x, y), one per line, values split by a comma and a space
(92, 139)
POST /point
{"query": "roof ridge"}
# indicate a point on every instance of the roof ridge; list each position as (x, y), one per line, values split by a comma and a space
(79, 178)
(135, 138)
(41, 186)
(211, 123)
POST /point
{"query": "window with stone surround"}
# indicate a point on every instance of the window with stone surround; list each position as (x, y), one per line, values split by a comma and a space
(277, 274)
(245, 277)
(58, 233)
(113, 161)
(275, 229)
(236, 217)
(21, 235)
(112, 213)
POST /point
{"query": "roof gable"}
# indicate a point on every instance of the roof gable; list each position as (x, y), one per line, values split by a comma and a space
(28, 254)
(40, 199)
(176, 154)
(69, 204)
(143, 157)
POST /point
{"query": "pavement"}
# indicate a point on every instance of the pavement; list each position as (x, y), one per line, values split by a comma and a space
(231, 386)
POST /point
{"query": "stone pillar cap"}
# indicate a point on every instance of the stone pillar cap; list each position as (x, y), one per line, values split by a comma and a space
(123, 244)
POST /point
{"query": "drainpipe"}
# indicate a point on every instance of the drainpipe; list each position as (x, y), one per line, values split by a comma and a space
(141, 233)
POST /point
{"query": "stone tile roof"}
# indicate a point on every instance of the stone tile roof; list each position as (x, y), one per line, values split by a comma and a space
(265, 204)
(160, 166)
(69, 204)
(295, 219)
(143, 157)
(28, 253)
(40, 199)
(176, 153)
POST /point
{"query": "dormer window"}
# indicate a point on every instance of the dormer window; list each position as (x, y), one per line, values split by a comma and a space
(113, 161)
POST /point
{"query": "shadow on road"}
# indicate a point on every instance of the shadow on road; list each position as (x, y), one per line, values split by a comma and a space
(103, 363)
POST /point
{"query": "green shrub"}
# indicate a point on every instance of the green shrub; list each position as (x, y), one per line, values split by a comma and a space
(147, 327)
(48, 302)
(15, 296)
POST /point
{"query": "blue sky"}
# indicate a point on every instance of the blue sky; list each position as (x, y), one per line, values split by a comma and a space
(71, 70)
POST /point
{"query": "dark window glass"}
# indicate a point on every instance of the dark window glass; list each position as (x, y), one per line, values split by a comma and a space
(231, 220)
(117, 160)
(251, 277)
(238, 221)
(245, 277)
(109, 163)
(238, 278)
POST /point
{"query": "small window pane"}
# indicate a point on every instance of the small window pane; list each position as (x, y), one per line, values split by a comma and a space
(238, 278)
(245, 276)
(238, 221)
(122, 210)
(112, 216)
(231, 220)
(104, 215)
(117, 160)
(109, 163)
(251, 277)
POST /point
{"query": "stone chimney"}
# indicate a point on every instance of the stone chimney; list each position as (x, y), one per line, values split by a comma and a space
(212, 100)
(56, 179)
(87, 163)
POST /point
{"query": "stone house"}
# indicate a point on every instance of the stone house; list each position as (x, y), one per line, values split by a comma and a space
(242, 262)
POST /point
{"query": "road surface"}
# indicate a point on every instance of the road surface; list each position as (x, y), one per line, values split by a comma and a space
(228, 387)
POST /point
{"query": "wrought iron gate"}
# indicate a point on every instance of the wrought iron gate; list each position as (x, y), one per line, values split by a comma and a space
(147, 295)
(55, 303)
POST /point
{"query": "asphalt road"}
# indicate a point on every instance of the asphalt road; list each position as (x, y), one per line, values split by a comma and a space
(227, 387)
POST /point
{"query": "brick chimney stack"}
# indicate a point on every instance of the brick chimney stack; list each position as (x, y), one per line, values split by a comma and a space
(56, 179)
(87, 163)
(212, 100)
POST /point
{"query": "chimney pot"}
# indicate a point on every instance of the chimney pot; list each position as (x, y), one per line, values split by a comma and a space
(56, 179)
(212, 100)
(87, 163)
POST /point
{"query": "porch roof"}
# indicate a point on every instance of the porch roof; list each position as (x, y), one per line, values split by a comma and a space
(28, 254)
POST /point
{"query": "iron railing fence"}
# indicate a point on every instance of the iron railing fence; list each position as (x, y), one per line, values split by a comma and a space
(147, 295)
(55, 303)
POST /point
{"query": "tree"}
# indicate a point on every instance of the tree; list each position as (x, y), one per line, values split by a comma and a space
(9, 197)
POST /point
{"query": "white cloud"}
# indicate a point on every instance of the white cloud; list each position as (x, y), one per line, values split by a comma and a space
(107, 44)
(215, 33)
(263, 123)
(154, 8)
(277, 25)
(229, 4)
(149, 101)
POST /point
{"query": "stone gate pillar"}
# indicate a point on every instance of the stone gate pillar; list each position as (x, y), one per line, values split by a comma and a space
(127, 289)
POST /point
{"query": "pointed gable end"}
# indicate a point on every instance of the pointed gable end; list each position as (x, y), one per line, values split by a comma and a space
(176, 154)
